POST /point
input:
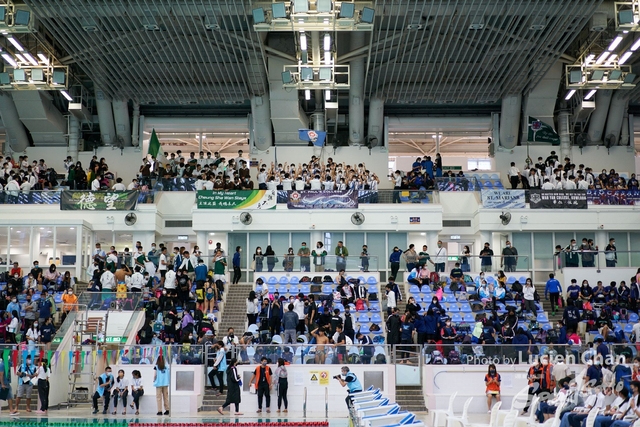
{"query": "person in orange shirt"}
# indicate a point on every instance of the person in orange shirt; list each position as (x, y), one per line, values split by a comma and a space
(492, 380)
(70, 302)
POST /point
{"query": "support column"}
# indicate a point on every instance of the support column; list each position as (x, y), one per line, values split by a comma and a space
(74, 136)
(105, 118)
(563, 130)
(376, 119)
(16, 137)
(510, 120)
(261, 114)
(135, 127)
(122, 123)
(599, 117)
(356, 92)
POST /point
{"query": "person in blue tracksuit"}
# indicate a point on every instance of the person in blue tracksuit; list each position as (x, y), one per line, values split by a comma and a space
(553, 289)
(105, 382)
(349, 380)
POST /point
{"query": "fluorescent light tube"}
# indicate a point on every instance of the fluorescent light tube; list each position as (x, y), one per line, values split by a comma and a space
(9, 59)
(602, 57)
(570, 94)
(303, 41)
(590, 95)
(43, 58)
(31, 59)
(614, 44)
(66, 95)
(307, 94)
(16, 43)
(327, 42)
(624, 57)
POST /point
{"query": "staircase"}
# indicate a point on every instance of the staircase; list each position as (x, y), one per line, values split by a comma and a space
(211, 402)
(410, 398)
(234, 314)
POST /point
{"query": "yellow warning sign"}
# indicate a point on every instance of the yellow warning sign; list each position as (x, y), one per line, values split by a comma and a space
(314, 377)
(324, 377)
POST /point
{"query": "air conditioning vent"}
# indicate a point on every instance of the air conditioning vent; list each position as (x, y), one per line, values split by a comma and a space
(456, 223)
(178, 224)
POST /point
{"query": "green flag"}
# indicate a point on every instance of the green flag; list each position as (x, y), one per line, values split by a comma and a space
(540, 131)
(154, 145)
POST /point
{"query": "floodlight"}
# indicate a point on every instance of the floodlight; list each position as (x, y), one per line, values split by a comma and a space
(286, 77)
(3, 12)
(575, 76)
(629, 78)
(4, 79)
(597, 75)
(19, 75)
(367, 15)
(259, 16)
(301, 6)
(306, 73)
(21, 17)
(324, 6)
(615, 75)
(279, 10)
(625, 17)
(325, 74)
(37, 75)
(59, 77)
(347, 10)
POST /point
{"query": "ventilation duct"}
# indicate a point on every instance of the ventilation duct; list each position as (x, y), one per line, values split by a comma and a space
(45, 122)
(122, 123)
(617, 111)
(16, 133)
(356, 92)
(375, 126)
(599, 116)
(510, 121)
(541, 101)
(105, 118)
(261, 114)
(286, 115)
(439, 124)
(74, 137)
(135, 127)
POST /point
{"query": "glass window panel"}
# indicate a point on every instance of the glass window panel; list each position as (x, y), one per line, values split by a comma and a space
(4, 248)
(376, 243)
(43, 239)
(564, 238)
(105, 238)
(20, 241)
(399, 240)
(238, 239)
(298, 238)
(622, 245)
(543, 251)
(634, 247)
(66, 251)
(255, 240)
(354, 242)
(331, 241)
(522, 242)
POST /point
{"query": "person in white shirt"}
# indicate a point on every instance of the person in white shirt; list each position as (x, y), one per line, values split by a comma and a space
(272, 184)
(315, 183)
(570, 183)
(391, 299)
(95, 184)
(329, 185)
(439, 260)
(582, 184)
(298, 308)
(108, 280)
(133, 184)
(262, 179)
(239, 159)
(137, 280)
(120, 389)
(119, 186)
(25, 187)
(208, 185)
(548, 185)
(299, 183)
(170, 280)
(287, 182)
(514, 175)
(162, 265)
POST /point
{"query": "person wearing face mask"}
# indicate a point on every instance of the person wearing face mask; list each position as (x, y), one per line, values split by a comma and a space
(258, 260)
(587, 254)
(26, 372)
(540, 379)
(440, 258)
(261, 380)
(70, 302)
(571, 257)
(528, 294)
(30, 309)
(305, 257)
(397, 186)
(610, 254)
(492, 381)
(237, 272)
(509, 257)
(120, 390)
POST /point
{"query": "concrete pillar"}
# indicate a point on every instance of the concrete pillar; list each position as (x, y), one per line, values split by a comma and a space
(105, 118)
(599, 116)
(262, 130)
(510, 120)
(16, 136)
(74, 136)
(135, 127)
(617, 110)
(376, 119)
(565, 138)
(356, 92)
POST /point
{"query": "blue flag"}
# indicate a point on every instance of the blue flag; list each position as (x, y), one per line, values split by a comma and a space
(317, 137)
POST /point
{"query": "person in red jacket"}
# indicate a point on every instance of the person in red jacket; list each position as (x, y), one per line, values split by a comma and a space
(540, 379)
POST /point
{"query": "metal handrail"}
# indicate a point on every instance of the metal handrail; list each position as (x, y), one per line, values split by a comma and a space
(326, 402)
(304, 403)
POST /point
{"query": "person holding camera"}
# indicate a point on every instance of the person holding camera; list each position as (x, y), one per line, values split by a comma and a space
(350, 380)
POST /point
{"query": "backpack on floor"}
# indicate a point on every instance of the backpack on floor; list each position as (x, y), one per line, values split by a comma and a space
(327, 279)
(380, 359)
(454, 358)
(436, 358)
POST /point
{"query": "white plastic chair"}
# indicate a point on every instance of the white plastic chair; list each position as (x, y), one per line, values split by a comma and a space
(493, 418)
(463, 420)
(443, 412)
(530, 419)
(591, 418)
(510, 419)
(555, 421)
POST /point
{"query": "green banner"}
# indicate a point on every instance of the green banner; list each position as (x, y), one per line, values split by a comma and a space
(236, 199)
(98, 200)
(540, 131)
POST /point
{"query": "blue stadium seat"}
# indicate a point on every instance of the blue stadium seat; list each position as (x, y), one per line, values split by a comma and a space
(633, 318)
(484, 176)
(542, 318)
(363, 318)
(547, 327)
(272, 288)
(453, 308)
(511, 280)
(283, 289)
(490, 279)
(372, 289)
(425, 289)
(305, 289)
(364, 329)
(456, 318)
(58, 298)
(376, 318)
(339, 307)
(371, 280)
(447, 290)
(465, 308)
(522, 280)
(628, 328)
(294, 280)
(451, 298)
(327, 289)
(361, 279)
(414, 290)
(374, 307)
(469, 318)
(498, 184)
(487, 184)
(283, 280)
(294, 289)
(494, 176)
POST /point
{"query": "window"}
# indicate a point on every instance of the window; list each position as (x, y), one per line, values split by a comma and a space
(479, 164)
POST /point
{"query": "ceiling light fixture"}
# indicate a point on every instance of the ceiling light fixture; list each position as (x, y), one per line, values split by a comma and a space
(624, 57)
(614, 44)
(570, 94)
(635, 46)
(16, 43)
(31, 59)
(66, 95)
(327, 42)
(43, 58)
(307, 94)
(590, 95)
(327, 95)
(602, 57)
(9, 59)
(303, 41)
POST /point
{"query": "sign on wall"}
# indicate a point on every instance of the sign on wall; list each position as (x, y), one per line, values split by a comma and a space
(503, 199)
(613, 197)
(557, 199)
(98, 200)
(236, 199)
(321, 199)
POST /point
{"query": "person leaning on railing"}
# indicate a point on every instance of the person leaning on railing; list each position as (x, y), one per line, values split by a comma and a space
(70, 302)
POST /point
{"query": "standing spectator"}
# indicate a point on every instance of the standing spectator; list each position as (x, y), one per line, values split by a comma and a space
(137, 390)
(253, 306)
(70, 301)
(393, 327)
(492, 381)
(610, 254)
(219, 264)
(364, 258)
(219, 367)
(341, 253)
(509, 257)
(423, 257)
(5, 383)
(397, 186)
(262, 380)
(391, 299)
(26, 372)
(282, 384)
(305, 257)
(464, 259)
(13, 327)
(410, 257)
(233, 383)
(47, 331)
(485, 258)
(121, 390)
(43, 374)
(571, 316)
(237, 273)
(319, 255)
(394, 261)
(514, 176)
(440, 259)
(587, 254)
(290, 324)
(553, 289)
(528, 294)
(540, 379)
(161, 383)
(271, 258)
(36, 272)
(105, 382)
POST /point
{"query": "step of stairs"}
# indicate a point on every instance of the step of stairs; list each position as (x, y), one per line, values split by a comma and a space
(411, 398)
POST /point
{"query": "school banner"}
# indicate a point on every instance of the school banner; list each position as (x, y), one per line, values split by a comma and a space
(613, 197)
(557, 199)
(98, 200)
(323, 199)
(503, 199)
(236, 199)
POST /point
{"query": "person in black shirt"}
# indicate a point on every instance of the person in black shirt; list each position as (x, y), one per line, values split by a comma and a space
(457, 277)
(262, 380)
(36, 272)
(348, 323)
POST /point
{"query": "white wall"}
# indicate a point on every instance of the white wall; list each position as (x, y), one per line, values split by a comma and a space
(377, 162)
(596, 157)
